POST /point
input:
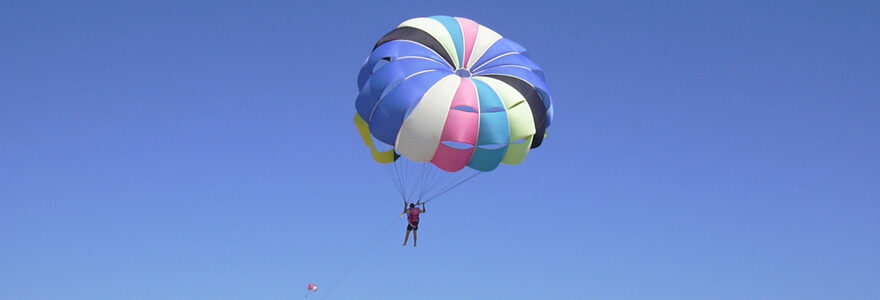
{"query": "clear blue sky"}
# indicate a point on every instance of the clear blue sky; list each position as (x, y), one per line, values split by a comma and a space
(205, 150)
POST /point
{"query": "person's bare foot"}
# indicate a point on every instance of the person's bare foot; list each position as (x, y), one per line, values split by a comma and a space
(404, 244)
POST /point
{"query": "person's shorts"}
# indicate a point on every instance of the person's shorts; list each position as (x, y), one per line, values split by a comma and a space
(410, 227)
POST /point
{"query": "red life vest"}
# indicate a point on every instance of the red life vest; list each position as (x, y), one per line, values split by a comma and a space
(413, 215)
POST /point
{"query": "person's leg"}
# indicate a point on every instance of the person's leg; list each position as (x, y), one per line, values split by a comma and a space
(415, 236)
(407, 237)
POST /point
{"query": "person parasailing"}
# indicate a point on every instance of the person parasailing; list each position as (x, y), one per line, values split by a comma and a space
(412, 218)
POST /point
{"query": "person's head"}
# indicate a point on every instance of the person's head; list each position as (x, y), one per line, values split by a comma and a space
(411, 205)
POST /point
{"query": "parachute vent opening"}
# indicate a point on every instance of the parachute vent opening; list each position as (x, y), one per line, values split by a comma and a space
(493, 146)
(517, 104)
(457, 145)
(492, 110)
(381, 63)
(465, 108)
(463, 73)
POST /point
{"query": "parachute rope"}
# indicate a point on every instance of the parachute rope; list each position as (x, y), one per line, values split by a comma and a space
(420, 182)
(361, 256)
(395, 179)
(453, 180)
(452, 187)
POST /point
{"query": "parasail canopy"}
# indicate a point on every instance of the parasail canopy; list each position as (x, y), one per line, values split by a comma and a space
(447, 93)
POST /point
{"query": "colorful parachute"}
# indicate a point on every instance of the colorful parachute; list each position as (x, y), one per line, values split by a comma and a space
(453, 93)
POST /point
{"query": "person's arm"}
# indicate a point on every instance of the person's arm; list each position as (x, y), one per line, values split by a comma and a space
(423, 208)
